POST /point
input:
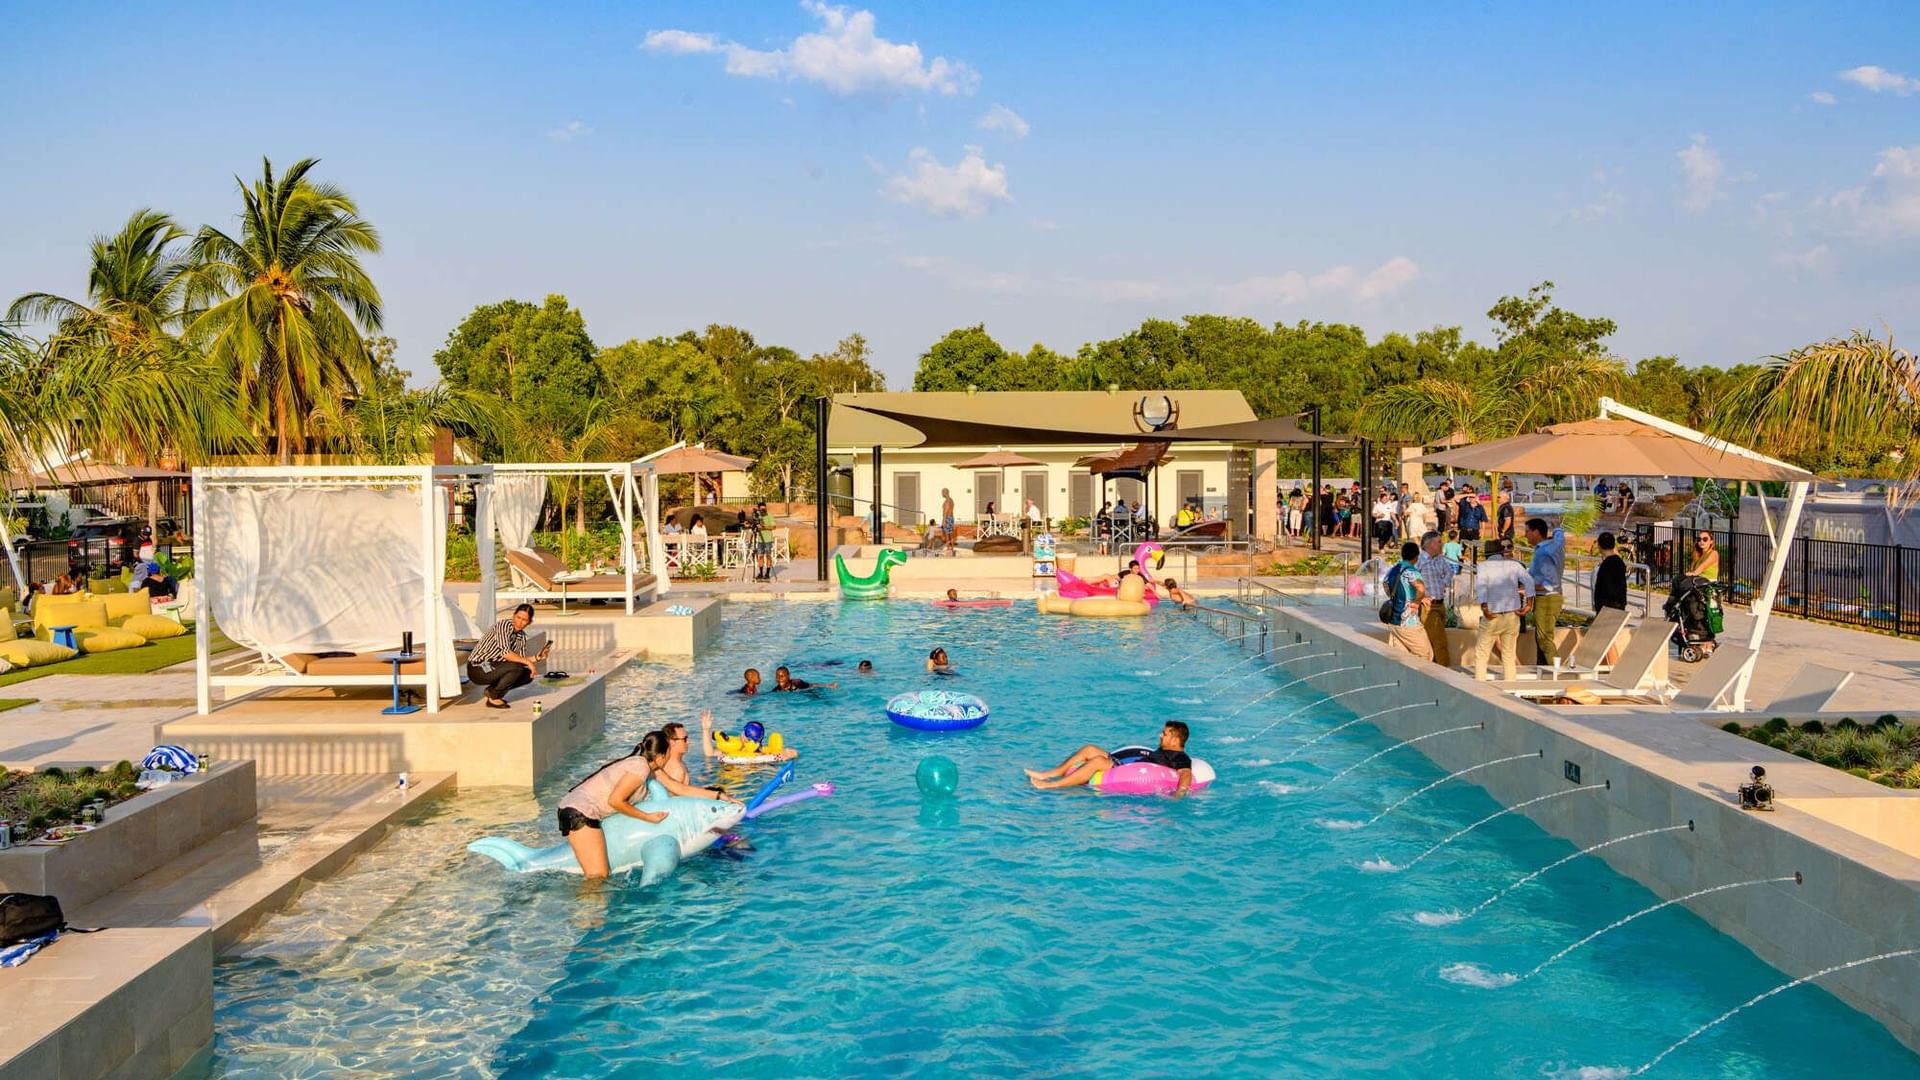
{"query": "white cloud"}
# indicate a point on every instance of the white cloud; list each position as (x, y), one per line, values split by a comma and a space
(571, 130)
(1887, 206)
(1704, 170)
(1880, 80)
(1822, 97)
(1001, 118)
(680, 42)
(1339, 285)
(964, 189)
(845, 56)
(1816, 261)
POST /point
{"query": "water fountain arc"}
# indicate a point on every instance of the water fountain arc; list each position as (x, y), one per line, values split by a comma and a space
(1603, 786)
(1338, 728)
(1376, 755)
(1335, 697)
(1375, 819)
(1794, 877)
(1287, 685)
(1433, 919)
(1258, 656)
(1209, 648)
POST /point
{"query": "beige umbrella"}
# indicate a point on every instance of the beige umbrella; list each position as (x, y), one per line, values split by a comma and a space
(1616, 448)
(997, 459)
(697, 460)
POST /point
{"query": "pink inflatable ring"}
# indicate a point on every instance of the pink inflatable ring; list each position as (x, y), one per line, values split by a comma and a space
(1145, 778)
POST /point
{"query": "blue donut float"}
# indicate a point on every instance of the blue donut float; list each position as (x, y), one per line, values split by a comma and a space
(937, 710)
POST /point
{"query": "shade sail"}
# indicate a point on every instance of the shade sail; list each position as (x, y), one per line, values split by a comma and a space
(88, 474)
(1613, 448)
(997, 459)
(937, 419)
(1134, 460)
(698, 459)
(1273, 431)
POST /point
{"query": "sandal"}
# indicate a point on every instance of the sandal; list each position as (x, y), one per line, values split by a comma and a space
(492, 704)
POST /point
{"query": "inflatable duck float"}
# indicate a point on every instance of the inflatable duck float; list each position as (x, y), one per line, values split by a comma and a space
(1128, 601)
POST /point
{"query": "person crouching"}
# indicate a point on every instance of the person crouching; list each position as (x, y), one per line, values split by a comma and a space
(499, 662)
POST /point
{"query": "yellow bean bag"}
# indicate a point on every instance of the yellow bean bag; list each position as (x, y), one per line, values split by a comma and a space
(26, 652)
(81, 611)
(107, 639)
(7, 632)
(123, 605)
(152, 627)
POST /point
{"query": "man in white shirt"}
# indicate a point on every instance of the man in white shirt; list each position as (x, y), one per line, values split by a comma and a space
(1386, 518)
(1418, 520)
(1505, 593)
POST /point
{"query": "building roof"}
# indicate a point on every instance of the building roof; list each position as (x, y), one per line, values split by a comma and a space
(1018, 418)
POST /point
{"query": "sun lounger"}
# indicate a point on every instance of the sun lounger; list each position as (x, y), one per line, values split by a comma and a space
(1627, 678)
(540, 575)
(1595, 642)
(1810, 692)
(1714, 680)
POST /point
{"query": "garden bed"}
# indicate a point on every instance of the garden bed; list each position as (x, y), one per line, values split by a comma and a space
(38, 801)
(1884, 750)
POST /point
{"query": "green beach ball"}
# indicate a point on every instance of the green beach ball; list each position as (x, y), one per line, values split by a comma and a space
(937, 776)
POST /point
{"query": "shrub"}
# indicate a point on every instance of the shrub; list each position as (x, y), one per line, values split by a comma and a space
(1803, 752)
(1813, 727)
(54, 771)
(86, 771)
(1781, 742)
(1831, 761)
(1731, 725)
(1776, 725)
(124, 770)
(1845, 723)
(1887, 720)
(1861, 773)
(1758, 735)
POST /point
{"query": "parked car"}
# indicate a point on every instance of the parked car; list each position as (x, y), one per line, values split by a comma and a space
(110, 542)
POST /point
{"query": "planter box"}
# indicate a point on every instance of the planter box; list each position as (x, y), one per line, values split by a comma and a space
(139, 836)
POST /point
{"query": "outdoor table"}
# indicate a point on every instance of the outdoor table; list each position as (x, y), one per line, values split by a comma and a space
(397, 659)
(564, 579)
(171, 611)
(63, 635)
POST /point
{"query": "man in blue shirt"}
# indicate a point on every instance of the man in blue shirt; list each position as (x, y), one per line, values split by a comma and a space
(1409, 596)
(1548, 562)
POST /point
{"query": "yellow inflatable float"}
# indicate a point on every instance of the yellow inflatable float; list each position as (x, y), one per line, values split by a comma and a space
(1127, 602)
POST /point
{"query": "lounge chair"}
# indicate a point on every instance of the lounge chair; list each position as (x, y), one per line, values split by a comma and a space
(1627, 678)
(1595, 642)
(547, 578)
(1810, 692)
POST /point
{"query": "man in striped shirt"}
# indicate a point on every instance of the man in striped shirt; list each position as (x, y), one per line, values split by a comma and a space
(1437, 571)
(498, 662)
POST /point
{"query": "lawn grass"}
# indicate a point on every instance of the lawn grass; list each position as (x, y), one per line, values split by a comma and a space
(149, 657)
(15, 702)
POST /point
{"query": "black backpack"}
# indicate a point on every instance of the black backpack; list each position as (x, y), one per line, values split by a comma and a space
(1391, 608)
(24, 916)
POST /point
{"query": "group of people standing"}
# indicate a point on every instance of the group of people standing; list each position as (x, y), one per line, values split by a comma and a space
(1398, 512)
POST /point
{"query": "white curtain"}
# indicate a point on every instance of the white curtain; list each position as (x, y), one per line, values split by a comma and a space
(316, 569)
(517, 497)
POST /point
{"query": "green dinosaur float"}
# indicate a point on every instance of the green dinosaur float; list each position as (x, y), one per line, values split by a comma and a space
(874, 585)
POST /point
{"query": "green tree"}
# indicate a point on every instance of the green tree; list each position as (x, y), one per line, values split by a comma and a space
(536, 359)
(1844, 404)
(282, 308)
(964, 357)
(134, 285)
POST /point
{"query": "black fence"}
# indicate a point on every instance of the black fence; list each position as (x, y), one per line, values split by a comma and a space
(1875, 586)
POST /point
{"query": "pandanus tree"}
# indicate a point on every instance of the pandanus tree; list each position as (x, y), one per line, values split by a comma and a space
(283, 306)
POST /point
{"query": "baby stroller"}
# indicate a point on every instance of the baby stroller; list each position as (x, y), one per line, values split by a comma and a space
(1695, 607)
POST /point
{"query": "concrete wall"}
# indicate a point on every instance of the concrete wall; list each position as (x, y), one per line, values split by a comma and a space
(1860, 897)
(139, 835)
(134, 1004)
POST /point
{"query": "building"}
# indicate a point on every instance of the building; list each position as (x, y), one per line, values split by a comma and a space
(920, 438)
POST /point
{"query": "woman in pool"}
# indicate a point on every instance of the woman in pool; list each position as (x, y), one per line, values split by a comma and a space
(609, 791)
(938, 664)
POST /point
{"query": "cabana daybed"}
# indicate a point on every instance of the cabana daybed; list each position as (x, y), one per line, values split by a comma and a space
(520, 489)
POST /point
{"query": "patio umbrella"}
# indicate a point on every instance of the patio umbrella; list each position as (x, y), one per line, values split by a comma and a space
(90, 474)
(697, 460)
(997, 459)
(1616, 447)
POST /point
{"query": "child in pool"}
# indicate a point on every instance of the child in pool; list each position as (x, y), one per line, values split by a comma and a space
(666, 751)
(753, 741)
(938, 664)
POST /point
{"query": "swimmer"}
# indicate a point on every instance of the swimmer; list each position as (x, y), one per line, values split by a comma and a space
(784, 682)
(752, 684)
(938, 664)
(608, 791)
(1177, 594)
(953, 596)
(866, 667)
(1112, 581)
(1085, 763)
(668, 759)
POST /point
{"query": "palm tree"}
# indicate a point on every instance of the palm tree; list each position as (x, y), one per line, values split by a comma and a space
(133, 290)
(283, 307)
(1847, 401)
(1524, 390)
(393, 425)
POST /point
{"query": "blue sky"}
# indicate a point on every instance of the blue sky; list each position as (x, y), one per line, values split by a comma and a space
(1726, 181)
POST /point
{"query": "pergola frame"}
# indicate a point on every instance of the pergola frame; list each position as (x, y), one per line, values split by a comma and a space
(1781, 538)
(426, 479)
(621, 479)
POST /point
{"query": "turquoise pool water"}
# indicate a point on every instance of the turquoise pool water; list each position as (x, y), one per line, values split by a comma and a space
(1012, 932)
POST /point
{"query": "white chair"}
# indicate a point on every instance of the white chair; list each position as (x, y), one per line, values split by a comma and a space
(1596, 641)
(1810, 692)
(1627, 678)
(1714, 679)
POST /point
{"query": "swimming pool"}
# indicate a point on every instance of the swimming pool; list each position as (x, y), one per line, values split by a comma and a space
(1012, 932)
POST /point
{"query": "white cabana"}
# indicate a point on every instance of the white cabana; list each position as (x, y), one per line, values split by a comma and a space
(520, 489)
(320, 568)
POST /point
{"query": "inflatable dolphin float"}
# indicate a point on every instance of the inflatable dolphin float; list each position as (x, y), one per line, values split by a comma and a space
(692, 825)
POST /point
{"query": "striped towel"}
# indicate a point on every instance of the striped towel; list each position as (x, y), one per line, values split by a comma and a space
(171, 758)
(15, 955)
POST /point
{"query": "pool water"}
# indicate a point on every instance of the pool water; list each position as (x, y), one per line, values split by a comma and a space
(1008, 931)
